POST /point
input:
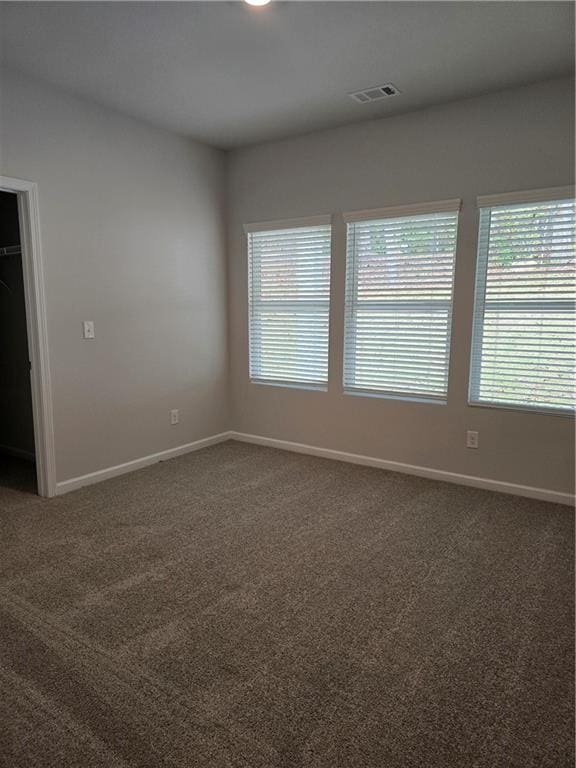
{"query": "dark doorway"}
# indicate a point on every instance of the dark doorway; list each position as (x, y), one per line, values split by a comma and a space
(17, 450)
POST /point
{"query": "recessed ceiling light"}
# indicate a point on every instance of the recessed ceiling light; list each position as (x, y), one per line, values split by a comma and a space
(257, 2)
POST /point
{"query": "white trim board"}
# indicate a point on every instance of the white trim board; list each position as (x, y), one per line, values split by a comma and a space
(280, 224)
(398, 211)
(130, 466)
(526, 196)
(500, 486)
(543, 494)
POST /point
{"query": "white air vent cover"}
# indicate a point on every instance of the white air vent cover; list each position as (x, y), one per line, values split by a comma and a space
(375, 94)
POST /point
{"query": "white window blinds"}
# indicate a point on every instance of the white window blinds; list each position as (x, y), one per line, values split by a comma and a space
(289, 297)
(523, 332)
(399, 282)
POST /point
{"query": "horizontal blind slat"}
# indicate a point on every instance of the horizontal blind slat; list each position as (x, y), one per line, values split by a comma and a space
(289, 295)
(523, 350)
(399, 284)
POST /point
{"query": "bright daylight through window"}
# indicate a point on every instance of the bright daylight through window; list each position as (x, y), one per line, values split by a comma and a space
(289, 291)
(523, 337)
(399, 283)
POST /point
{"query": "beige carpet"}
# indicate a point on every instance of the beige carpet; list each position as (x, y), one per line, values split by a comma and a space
(250, 608)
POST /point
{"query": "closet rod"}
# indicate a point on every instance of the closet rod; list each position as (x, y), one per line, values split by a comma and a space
(11, 250)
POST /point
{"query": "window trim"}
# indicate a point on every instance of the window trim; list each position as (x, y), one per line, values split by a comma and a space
(398, 397)
(526, 196)
(392, 212)
(487, 202)
(398, 211)
(565, 413)
(321, 220)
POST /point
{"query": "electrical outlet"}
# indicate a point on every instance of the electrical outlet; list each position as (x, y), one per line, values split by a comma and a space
(88, 329)
(471, 439)
(174, 416)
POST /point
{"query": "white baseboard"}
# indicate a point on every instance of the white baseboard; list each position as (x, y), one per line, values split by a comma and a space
(130, 466)
(410, 469)
(543, 494)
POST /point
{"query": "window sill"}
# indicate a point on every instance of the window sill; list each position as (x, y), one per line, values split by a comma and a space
(310, 387)
(564, 413)
(395, 396)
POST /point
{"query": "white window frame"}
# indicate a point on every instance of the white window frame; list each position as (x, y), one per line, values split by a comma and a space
(399, 211)
(283, 224)
(484, 202)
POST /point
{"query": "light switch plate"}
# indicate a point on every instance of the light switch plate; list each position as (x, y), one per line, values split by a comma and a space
(88, 328)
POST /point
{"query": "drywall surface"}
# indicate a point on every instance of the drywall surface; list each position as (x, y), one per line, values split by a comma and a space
(513, 140)
(132, 231)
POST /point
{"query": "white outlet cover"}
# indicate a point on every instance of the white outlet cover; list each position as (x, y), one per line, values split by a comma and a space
(472, 439)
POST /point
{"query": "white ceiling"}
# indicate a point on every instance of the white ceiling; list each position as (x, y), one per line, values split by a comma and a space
(228, 74)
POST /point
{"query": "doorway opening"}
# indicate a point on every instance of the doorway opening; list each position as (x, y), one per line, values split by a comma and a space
(17, 448)
(27, 459)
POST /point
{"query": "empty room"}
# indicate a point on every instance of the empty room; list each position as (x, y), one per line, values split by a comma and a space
(287, 384)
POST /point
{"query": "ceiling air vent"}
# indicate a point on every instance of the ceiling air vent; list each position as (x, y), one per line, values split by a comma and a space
(375, 94)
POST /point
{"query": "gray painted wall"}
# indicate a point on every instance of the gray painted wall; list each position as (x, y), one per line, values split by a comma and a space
(132, 230)
(513, 140)
(132, 222)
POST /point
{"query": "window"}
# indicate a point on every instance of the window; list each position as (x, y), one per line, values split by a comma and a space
(523, 332)
(289, 296)
(399, 280)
